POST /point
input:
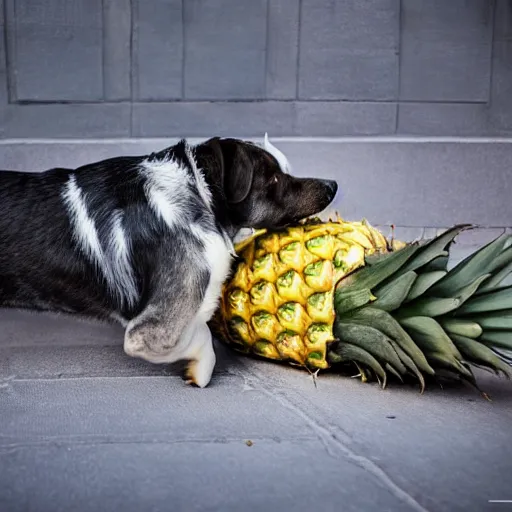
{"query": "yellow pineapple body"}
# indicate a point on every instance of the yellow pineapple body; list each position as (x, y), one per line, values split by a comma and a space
(279, 301)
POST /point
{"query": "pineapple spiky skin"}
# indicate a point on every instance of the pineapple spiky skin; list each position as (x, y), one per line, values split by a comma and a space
(321, 294)
(278, 303)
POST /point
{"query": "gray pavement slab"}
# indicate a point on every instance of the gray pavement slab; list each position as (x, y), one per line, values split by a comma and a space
(208, 475)
(83, 428)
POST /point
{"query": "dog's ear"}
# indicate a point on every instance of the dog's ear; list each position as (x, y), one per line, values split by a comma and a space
(236, 169)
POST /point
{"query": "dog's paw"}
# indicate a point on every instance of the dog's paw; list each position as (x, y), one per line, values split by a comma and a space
(191, 374)
(197, 374)
(200, 369)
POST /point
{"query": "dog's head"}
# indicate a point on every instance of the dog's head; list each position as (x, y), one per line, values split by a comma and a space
(255, 185)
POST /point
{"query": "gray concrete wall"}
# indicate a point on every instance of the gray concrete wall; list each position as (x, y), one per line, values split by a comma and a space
(151, 68)
(415, 185)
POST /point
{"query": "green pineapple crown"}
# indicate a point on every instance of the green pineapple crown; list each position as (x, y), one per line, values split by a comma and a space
(405, 313)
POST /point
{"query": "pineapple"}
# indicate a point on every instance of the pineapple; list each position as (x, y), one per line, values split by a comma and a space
(324, 294)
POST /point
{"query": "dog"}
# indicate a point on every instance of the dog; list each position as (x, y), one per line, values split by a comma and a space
(146, 241)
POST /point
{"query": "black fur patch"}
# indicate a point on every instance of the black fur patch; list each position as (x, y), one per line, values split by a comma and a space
(42, 267)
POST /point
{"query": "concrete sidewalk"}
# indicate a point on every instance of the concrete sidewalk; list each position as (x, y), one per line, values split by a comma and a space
(85, 428)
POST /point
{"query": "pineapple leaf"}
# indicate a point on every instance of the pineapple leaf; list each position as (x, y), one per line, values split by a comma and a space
(429, 307)
(369, 277)
(453, 365)
(391, 295)
(439, 263)
(423, 283)
(434, 248)
(497, 339)
(462, 327)
(495, 300)
(438, 306)
(409, 364)
(346, 352)
(470, 268)
(496, 279)
(430, 337)
(474, 351)
(390, 369)
(371, 339)
(498, 320)
(385, 323)
(503, 260)
(468, 291)
(345, 301)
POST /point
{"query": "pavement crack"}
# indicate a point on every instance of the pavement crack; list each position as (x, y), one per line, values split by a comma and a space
(71, 441)
(332, 443)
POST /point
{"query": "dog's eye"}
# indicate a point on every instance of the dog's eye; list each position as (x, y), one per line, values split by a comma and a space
(274, 180)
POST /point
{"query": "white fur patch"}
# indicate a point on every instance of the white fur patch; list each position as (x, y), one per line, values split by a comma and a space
(115, 263)
(283, 162)
(119, 257)
(165, 188)
(202, 186)
(217, 256)
(84, 229)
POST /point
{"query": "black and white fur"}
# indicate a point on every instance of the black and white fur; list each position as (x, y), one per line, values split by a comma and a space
(146, 240)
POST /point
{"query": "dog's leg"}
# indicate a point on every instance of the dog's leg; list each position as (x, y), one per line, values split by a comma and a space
(185, 290)
(148, 338)
(172, 329)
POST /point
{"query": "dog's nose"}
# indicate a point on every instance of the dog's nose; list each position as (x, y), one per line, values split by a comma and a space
(332, 186)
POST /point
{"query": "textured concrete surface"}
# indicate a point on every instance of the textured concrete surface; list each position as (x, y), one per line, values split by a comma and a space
(85, 428)
(408, 182)
(456, 64)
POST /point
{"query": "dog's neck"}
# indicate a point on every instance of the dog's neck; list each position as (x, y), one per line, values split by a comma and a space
(210, 167)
